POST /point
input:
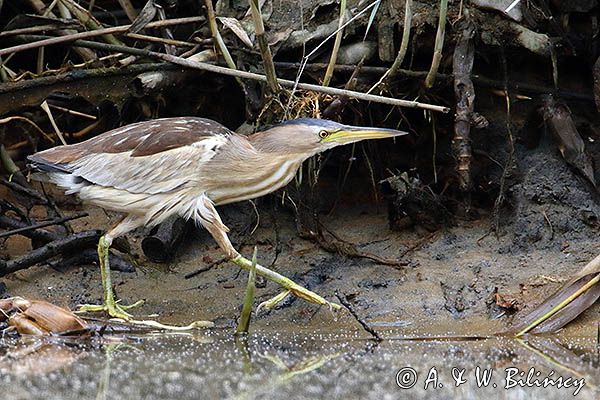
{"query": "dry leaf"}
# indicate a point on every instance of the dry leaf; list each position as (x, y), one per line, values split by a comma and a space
(145, 16)
(557, 118)
(236, 27)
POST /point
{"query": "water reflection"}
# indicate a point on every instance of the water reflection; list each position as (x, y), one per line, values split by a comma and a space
(219, 365)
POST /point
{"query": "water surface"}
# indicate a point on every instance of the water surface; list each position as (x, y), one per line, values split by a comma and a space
(294, 366)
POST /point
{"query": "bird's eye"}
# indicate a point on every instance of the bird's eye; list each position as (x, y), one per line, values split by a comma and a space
(323, 134)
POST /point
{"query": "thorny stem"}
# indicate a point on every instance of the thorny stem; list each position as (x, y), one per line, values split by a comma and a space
(284, 282)
(439, 44)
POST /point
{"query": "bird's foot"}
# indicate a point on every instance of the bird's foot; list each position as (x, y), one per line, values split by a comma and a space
(112, 308)
(118, 311)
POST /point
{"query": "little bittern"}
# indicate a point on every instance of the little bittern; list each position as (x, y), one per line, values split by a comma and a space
(154, 169)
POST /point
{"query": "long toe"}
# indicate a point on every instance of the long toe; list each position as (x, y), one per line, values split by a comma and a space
(114, 309)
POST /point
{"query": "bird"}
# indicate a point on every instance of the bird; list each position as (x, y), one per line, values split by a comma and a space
(151, 170)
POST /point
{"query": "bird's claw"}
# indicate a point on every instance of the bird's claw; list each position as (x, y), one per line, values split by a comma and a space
(312, 297)
(272, 302)
(113, 309)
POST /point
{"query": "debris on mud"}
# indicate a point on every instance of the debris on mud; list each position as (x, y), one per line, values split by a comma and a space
(40, 318)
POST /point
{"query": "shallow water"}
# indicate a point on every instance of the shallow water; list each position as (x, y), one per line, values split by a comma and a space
(292, 366)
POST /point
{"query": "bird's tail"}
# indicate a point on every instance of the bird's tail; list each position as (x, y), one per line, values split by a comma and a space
(40, 164)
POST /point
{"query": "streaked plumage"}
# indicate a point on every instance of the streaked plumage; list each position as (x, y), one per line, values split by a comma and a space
(157, 168)
(154, 169)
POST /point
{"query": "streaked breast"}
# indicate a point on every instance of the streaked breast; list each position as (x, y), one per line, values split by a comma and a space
(255, 184)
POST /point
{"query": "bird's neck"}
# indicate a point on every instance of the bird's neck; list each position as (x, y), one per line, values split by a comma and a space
(268, 144)
(260, 174)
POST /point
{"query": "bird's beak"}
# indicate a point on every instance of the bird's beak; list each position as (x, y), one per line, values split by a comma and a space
(350, 134)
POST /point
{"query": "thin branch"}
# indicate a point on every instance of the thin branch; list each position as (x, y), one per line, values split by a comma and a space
(214, 30)
(41, 235)
(19, 118)
(43, 224)
(250, 75)
(265, 50)
(155, 39)
(88, 20)
(95, 33)
(45, 107)
(73, 112)
(336, 45)
(37, 28)
(439, 44)
(344, 301)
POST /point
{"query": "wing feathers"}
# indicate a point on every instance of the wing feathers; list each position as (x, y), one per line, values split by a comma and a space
(148, 157)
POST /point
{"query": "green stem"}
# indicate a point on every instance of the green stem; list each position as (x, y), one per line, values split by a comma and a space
(244, 323)
(393, 71)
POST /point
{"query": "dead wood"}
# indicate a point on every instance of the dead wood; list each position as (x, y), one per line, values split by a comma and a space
(163, 241)
(465, 102)
(90, 257)
(26, 229)
(69, 244)
(40, 235)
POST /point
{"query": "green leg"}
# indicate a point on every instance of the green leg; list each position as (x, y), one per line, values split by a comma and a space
(286, 283)
(110, 305)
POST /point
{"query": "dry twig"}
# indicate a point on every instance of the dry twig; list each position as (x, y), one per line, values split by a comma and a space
(263, 45)
(439, 45)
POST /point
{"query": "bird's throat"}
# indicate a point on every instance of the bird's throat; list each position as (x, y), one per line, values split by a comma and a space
(260, 178)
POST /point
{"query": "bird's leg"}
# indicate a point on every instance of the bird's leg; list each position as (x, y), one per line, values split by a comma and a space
(286, 283)
(110, 305)
(212, 222)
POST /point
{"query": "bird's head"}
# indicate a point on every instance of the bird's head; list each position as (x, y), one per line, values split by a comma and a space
(311, 136)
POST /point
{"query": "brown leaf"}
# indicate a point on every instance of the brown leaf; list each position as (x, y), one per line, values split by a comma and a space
(236, 27)
(145, 16)
(568, 312)
(507, 301)
(557, 118)
(53, 318)
(26, 326)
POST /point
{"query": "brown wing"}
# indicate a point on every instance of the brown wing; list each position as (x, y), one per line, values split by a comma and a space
(141, 139)
(147, 157)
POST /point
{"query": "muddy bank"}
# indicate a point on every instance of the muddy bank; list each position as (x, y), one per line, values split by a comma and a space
(450, 285)
(486, 211)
